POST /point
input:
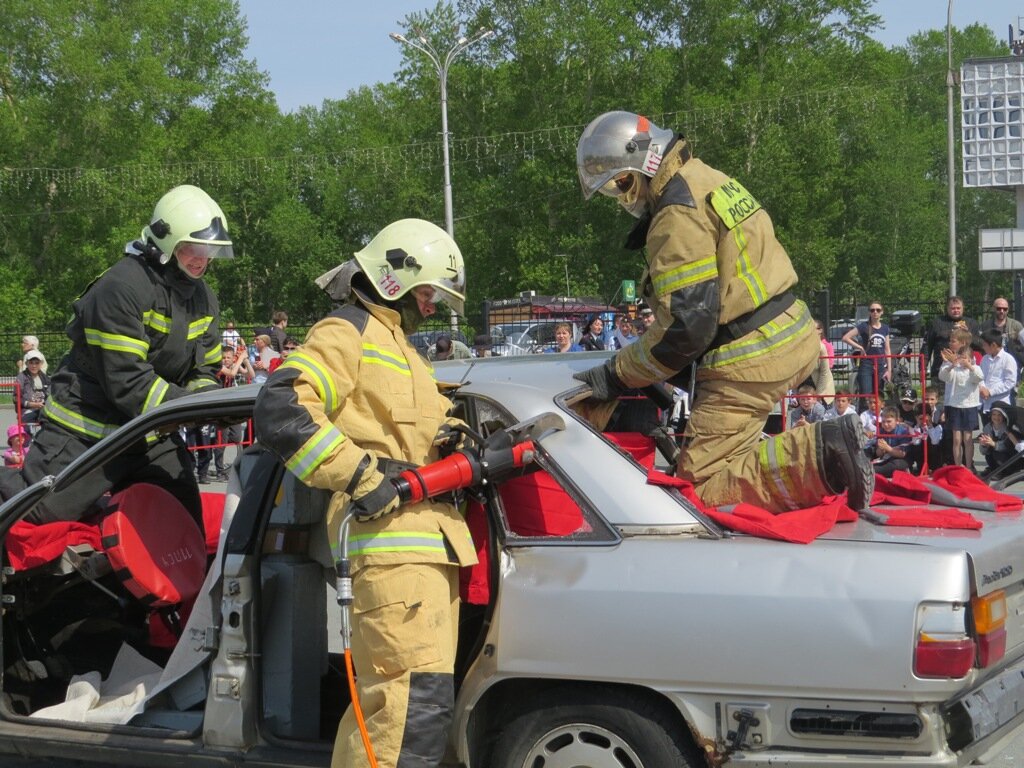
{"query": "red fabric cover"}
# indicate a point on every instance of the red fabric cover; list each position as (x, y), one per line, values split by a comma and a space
(930, 518)
(802, 526)
(213, 512)
(31, 545)
(474, 581)
(154, 545)
(536, 505)
(901, 488)
(639, 446)
(963, 483)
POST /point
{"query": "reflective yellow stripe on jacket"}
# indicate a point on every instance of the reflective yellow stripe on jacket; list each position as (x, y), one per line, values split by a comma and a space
(155, 396)
(114, 342)
(198, 327)
(76, 422)
(159, 323)
(321, 378)
(772, 335)
(315, 451)
(376, 355)
(397, 541)
(686, 275)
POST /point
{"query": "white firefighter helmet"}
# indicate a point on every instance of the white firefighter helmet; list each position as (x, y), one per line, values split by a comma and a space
(616, 143)
(410, 253)
(187, 214)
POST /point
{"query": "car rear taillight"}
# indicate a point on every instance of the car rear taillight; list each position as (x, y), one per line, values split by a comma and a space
(943, 647)
(989, 613)
(943, 656)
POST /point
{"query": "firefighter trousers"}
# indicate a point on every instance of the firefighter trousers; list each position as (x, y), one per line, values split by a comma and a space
(404, 635)
(724, 455)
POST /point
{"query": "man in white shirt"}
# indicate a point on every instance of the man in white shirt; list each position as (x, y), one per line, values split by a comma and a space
(1000, 370)
(230, 337)
(624, 334)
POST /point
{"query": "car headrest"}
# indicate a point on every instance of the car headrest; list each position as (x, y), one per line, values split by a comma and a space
(154, 545)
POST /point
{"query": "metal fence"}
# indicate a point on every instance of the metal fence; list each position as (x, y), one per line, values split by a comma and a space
(54, 344)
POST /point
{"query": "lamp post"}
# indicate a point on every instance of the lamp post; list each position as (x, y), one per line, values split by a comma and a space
(950, 148)
(441, 64)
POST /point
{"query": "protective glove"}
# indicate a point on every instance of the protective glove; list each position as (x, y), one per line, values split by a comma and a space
(449, 438)
(374, 496)
(605, 384)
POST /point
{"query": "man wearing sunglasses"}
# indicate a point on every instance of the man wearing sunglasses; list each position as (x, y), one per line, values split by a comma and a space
(936, 339)
(720, 286)
(1009, 327)
(143, 332)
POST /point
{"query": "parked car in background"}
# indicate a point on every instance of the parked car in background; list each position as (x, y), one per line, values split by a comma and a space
(522, 338)
(611, 624)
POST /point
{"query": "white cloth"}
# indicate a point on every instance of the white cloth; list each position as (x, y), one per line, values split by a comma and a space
(116, 700)
(1000, 374)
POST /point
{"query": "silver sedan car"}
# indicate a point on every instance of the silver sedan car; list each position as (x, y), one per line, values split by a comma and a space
(611, 624)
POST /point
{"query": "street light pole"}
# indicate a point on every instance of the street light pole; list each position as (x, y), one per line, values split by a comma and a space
(442, 65)
(950, 148)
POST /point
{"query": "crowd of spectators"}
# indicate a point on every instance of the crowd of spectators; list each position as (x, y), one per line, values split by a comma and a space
(974, 369)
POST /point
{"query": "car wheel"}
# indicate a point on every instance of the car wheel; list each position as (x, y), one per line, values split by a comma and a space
(565, 728)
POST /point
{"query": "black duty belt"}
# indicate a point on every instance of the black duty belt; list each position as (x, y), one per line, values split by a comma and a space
(744, 324)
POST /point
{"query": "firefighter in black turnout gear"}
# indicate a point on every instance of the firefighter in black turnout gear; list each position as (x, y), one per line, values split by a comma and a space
(144, 332)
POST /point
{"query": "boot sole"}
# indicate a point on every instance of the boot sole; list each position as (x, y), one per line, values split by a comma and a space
(858, 496)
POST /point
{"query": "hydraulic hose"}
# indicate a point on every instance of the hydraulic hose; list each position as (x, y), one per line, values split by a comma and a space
(344, 588)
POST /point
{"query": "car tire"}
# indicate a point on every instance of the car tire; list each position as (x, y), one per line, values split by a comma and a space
(593, 727)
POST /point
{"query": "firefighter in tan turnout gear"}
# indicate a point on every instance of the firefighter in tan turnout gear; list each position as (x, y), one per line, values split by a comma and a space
(355, 398)
(719, 283)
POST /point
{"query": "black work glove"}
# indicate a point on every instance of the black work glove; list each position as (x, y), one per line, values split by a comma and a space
(374, 496)
(605, 384)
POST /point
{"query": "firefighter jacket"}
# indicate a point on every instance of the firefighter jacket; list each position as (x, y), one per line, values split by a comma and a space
(357, 388)
(142, 333)
(715, 273)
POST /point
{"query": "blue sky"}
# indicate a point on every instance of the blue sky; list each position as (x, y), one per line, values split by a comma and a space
(321, 49)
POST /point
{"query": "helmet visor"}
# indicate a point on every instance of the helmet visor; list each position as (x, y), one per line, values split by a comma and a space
(451, 292)
(619, 184)
(215, 237)
(204, 250)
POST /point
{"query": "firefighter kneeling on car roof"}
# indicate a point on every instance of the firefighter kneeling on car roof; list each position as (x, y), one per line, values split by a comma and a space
(719, 283)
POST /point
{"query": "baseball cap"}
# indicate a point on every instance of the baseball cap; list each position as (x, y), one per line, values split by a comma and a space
(908, 394)
(34, 354)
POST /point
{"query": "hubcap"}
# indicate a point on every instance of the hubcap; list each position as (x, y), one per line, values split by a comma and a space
(581, 745)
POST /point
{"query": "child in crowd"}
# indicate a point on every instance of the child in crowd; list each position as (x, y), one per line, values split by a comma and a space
(808, 410)
(869, 419)
(840, 406)
(963, 379)
(14, 456)
(999, 438)
(940, 444)
(909, 408)
(894, 441)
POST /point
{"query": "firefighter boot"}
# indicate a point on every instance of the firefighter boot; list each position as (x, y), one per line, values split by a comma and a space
(842, 462)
